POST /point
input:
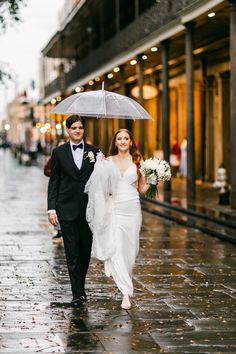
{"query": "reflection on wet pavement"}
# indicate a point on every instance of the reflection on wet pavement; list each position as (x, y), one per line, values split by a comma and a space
(185, 285)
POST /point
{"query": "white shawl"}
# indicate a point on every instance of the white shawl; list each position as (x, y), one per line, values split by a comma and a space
(101, 188)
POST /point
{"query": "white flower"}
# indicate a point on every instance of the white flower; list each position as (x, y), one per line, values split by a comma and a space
(90, 156)
(100, 156)
(156, 169)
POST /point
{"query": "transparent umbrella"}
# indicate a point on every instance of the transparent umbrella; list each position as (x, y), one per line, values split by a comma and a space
(102, 104)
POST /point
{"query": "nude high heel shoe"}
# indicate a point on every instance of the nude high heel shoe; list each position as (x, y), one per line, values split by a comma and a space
(126, 305)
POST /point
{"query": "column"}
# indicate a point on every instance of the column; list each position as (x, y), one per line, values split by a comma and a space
(165, 106)
(210, 129)
(141, 101)
(203, 118)
(225, 91)
(159, 112)
(233, 102)
(191, 191)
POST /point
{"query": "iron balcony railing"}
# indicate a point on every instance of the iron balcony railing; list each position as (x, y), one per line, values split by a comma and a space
(159, 15)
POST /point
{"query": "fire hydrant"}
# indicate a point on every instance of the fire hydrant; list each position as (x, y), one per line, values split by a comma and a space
(222, 185)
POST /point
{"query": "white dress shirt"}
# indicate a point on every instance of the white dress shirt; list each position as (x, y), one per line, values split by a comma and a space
(77, 154)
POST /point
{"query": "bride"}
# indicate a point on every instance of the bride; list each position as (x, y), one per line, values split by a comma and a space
(114, 212)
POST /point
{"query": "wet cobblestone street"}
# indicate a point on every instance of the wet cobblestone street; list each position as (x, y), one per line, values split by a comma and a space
(185, 285)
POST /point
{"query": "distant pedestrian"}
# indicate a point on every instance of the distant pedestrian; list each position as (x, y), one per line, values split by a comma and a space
(175, 157)
(183, 158)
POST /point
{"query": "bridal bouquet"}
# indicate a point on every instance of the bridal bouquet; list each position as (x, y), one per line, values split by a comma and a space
(155, 170)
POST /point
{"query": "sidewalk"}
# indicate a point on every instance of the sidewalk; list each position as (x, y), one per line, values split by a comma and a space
(185, 286)
(204, 212)
(207, 198)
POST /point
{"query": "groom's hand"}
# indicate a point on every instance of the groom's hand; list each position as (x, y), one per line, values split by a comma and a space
(52, 217)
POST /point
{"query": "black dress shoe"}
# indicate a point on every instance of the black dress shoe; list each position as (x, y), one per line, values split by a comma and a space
(58, 235)
(76, 303)
(79, 301)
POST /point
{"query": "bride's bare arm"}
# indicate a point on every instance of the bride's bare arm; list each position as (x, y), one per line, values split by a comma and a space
(142, 184)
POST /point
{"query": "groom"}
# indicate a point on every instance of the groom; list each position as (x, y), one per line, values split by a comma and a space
(72, 165)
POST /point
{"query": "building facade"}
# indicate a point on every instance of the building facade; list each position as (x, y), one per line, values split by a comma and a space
(176, 57)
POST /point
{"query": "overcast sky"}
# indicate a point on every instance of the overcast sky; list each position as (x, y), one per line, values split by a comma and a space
(21, 45)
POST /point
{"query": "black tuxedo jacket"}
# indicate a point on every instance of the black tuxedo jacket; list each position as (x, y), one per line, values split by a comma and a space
(66, 184)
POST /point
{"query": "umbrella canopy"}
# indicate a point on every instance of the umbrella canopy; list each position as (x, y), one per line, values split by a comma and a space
(102, 104)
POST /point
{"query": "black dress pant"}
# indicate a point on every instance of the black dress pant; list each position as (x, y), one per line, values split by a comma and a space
(77, 238)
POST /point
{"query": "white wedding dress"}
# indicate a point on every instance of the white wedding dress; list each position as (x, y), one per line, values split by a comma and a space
(114, 215)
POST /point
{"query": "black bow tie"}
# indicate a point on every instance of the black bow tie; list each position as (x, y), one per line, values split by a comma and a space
(77, 146)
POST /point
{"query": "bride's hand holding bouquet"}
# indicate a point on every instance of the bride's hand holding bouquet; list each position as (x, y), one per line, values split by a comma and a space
(154, 170)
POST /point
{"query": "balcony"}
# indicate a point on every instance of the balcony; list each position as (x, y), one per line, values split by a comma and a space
(156, 19)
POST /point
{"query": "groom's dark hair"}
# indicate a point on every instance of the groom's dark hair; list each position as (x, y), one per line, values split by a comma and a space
(72, 119)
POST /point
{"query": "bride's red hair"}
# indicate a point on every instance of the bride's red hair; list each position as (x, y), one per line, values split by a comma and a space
(134, 152)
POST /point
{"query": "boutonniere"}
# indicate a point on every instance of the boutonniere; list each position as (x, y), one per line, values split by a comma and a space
(89, 155)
